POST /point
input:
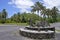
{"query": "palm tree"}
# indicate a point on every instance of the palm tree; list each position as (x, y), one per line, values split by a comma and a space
(44, 13)
(37, 7)
(4, 15)
(48, 13)
(54, 13)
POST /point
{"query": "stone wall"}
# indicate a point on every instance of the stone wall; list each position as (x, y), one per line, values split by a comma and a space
(37, 35)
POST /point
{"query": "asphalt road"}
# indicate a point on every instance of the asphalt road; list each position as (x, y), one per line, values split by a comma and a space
(10, 32)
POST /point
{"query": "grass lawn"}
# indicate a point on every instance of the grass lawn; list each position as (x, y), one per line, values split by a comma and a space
(20, 24)
(58, 30)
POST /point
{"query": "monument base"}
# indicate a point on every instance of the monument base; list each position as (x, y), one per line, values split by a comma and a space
(35, 34)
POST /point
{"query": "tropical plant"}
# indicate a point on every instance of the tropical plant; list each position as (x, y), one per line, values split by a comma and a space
(4, 15)
(54, 13)
(39, 7)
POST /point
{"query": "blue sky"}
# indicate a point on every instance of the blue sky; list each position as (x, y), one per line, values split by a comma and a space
(9, 8)
(14, 6)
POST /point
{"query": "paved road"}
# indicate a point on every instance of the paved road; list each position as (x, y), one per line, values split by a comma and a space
(10, 32)
(56, 25)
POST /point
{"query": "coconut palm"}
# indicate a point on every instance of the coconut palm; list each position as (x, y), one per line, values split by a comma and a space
(54, 13)
(4, 15)
(43, 12)
(37, 7)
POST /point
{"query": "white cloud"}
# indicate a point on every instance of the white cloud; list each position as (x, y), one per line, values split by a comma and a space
(22, 4)
(52, 3)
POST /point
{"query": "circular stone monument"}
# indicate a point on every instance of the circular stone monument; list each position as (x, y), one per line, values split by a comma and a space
(39, 32)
